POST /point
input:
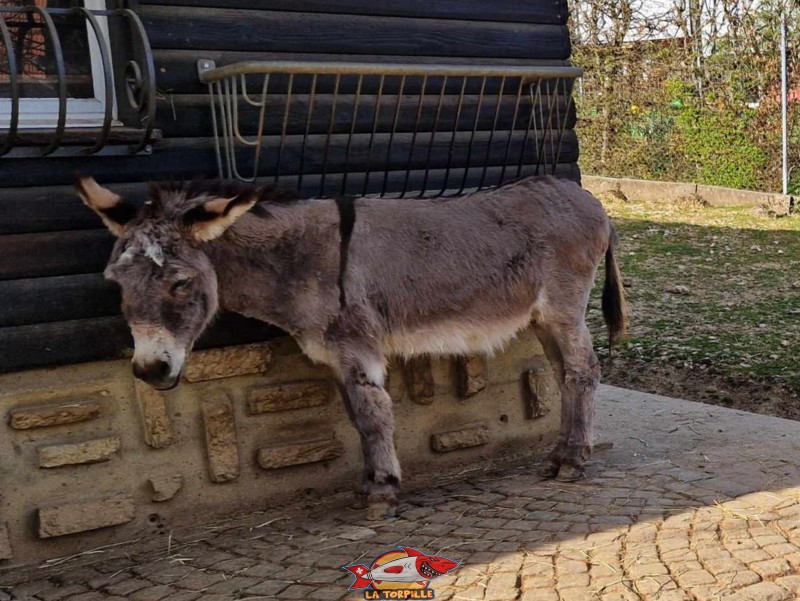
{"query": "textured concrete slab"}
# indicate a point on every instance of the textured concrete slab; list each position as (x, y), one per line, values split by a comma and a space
(692, 502)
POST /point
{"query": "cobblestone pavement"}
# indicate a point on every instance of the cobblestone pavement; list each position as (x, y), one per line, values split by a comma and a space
(691, 502)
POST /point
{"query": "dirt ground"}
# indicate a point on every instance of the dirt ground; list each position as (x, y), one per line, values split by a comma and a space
(714, 299)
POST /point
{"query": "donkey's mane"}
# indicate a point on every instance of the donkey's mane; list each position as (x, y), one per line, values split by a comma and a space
(164, 194)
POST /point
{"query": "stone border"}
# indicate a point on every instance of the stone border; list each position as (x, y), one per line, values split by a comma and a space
(641, 189)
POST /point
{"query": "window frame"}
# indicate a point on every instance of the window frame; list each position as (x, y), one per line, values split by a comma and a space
(80, 112)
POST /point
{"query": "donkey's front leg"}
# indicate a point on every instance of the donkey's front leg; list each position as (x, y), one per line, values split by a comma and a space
(370, 408)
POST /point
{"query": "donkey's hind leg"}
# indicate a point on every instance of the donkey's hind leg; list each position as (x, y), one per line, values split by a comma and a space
(370, 409)
(581, 376)
(568, 345)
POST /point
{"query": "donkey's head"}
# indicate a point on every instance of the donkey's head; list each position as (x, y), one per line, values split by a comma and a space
(169, 288)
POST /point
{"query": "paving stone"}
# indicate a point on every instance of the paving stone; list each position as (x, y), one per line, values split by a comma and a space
(220, 434)
(90, 596)
(165, 487)
(72, 518)
(281, 456)
(232, 585)
(183, 596)
(228, 362)
(90, 451)
(71, 412)
(539, 595)
(199, 581)
(764, 591)
(693, 578)
(296, 591)
(156, 422)
(790, 583)
(771, 568)
(61, 592)
(126, 587)
(152, 593)
(268, 587)
(751, 556)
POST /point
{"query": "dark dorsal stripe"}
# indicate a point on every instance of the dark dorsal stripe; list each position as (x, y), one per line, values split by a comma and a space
(347, 220)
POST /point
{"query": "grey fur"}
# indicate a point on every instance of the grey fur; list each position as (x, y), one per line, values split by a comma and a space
(442, 276)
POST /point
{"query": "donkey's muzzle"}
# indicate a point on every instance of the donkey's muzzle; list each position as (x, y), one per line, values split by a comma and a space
(156, 373)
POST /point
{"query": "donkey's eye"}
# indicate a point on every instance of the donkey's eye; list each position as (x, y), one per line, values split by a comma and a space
(180, 286)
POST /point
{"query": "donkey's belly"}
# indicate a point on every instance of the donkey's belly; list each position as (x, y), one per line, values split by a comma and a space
(456, 337)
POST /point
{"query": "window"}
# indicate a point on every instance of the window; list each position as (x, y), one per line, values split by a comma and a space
(36, 71)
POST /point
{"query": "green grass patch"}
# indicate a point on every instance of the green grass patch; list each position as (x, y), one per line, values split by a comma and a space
(717, 287)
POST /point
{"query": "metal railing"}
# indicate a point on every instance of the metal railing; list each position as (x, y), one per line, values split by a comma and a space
(400, 129)
(128, 76)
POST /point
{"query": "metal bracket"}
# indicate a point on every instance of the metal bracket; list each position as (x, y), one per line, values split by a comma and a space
(205, 64)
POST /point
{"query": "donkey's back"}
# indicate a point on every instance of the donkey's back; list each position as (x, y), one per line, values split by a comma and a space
(464, 275)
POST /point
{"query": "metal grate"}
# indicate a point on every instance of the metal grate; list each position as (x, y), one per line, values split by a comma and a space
(130, 73)
(389, 129)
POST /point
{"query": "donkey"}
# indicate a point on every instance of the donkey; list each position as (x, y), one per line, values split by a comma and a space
(357, 279)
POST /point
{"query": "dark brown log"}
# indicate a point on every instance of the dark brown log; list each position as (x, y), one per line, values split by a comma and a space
(56, 208)
(61, 343)
(53, 208)
(59, 253)
(406, 151)
(60, 298)
(268, 31)
(513, 11)
(81, 136)
(433, 180)
(190, 115)
(186, 158)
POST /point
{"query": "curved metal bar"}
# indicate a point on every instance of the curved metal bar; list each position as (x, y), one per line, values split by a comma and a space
(311, 99)
(352, 134)
(230, 100)
(475, 122)
(331, 127)
(286, 110)
(411, 146)
(511, 130)
(492, 132)
(62, 78)
(456, 121)
(260, 131)
(108, 81)
(236, 132)
(217, 140)
(562, 124)
(397, 106)
(433, 138)
(245, 95)
(531, 124)
(149, 80)
(372, 134)
(12, 70)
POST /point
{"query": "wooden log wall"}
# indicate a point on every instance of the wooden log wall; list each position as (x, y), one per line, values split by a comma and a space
(55, 306)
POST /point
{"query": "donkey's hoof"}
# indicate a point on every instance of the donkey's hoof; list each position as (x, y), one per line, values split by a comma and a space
(360, 500)
(550, 469)
(570, 473)
(380, 510)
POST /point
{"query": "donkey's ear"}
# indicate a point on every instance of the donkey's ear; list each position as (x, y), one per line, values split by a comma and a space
(210, 219)
(112, 209)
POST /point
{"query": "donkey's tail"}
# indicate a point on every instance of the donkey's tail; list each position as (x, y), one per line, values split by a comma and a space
(615, 308)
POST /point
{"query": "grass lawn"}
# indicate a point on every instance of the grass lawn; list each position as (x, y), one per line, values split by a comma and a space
(715, 304)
